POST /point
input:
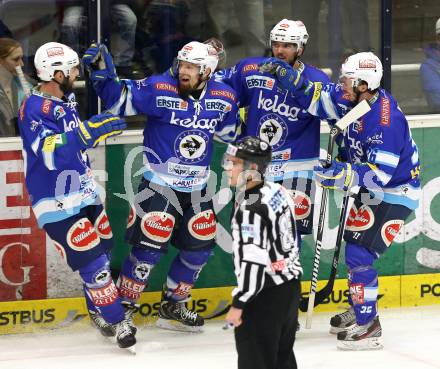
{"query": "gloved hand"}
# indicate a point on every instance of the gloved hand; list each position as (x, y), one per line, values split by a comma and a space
(97, 128)
(288, 77)
(99, 63)
(342, 154)
(338, 175)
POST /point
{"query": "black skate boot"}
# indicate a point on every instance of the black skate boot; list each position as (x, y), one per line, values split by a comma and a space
(343, 321)
(361, 337)
(130, 309)
(98, 321)
(176, 316)
(125, 338)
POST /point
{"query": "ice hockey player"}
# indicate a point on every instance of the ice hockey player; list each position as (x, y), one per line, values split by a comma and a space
(184, 113)
(265, 302)
(60, 182)
(273, 114)
(381, 160)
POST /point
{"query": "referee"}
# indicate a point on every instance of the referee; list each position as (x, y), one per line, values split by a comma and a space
(264, 309)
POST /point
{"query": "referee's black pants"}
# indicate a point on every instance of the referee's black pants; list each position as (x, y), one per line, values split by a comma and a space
(265, 338)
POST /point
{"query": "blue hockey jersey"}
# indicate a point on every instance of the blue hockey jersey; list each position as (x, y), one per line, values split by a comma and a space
(274, 115)
(179, 133)
(382, 137)
(58, 177)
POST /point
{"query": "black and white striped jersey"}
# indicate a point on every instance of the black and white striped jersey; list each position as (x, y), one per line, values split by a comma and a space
(265, 244)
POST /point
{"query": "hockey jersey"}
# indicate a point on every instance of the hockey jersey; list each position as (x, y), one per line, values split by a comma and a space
(58, 177)
(274, 115)
(178, 137)
(382, 137)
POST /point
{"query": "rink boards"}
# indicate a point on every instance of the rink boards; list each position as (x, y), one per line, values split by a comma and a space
(212, 303)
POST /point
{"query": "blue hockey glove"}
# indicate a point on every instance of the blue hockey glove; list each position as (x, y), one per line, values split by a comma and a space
(98, 61)
(338, 175)
(98, 128)
(288, 77)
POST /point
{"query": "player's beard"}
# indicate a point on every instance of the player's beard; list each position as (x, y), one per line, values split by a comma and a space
(187, 89)
(66, 86)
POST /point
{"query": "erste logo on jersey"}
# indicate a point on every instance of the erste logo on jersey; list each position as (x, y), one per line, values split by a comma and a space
(158, 225)
(260, 82)
(173, 103)
(82, 235)
(272, 129)
(303, 204)
(359, 219)
(217, 105)
(390, 230)
(203, 226)
(191, 146)
(282, 155)
(102, 226)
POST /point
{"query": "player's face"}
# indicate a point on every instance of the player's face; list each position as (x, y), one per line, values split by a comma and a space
(67, 84)
(233, 167)
(189, 76)
(285, 51)
(14, 59)
(347, 86)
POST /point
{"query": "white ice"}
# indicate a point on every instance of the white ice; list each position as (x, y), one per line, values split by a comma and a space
(411, 338)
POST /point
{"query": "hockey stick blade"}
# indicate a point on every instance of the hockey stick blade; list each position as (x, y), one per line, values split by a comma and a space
(354, 114)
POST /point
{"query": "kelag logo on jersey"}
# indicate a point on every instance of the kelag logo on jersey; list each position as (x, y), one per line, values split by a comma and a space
(260, 82)
(190, 146)
(283, 109)
(171, 103)
(217, 105)
(272, 129)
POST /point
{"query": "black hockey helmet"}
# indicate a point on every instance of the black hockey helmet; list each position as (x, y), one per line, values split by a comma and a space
(252, 150)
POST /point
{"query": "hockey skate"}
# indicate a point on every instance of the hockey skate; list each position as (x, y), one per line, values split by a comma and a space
(342, 322)
(125, 337)
(361, 337)
(130, 309)
(98, 321)
(176, 316)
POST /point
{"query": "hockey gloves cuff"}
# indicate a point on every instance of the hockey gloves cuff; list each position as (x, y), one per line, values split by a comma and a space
(289, 78)
(337, 176)
(99, 127)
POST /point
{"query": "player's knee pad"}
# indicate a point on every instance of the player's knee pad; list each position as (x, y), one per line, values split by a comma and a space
(184, 272)
(136, 270)
(101, 292)
(356, 255)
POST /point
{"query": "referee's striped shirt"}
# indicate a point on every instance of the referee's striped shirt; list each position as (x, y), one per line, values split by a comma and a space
(265, 245)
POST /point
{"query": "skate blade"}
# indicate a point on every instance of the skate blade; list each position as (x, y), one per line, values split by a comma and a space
(174, 325)
(131, 349)
(336, 330)
(373, 343)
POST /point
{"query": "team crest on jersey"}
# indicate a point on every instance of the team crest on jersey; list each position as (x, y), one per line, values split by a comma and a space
(102, 276)
(260, 82)
(102, 226)
(158, 225)
(303, 204)
(82, 236)
(203, 226)
(272, 129)
(360, 219)
(142, 271)
(172, 103)
(191, 146)
(59, 112)
(390, 230)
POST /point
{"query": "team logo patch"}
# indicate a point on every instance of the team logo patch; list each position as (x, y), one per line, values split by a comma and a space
(203, 226)
(390, 230)
(272, 129)
(385, 114)
(130, 288)
(45, 107)
(250, 67)
(142, 271)
(190, 146)
(217, 105)
(59, 112)
(351, 216)
(363, 220)
(158, 225)
(55, 51)
(223, 93)
(281, 155)
(104, 296)
(102, 277)
(264, 82)
(183, 289)
(367, 64)
(173, 103)
(82, 236)
(357, 293)
(102, 226)
(303, 205)
(60, 250)
(131, 216)
(166, 87)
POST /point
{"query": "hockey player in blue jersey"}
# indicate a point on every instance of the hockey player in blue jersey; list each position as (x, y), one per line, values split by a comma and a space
(60, 182)
(184, 110)
(274, 115)
(381, 160)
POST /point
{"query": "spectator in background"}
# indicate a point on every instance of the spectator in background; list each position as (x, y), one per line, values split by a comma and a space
(430, 73)
(11, 93)
(121, 15)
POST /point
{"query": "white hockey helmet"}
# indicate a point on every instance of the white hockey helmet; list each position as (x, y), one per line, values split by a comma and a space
(53, 56)
(437, 27)
(289, 31)
(363, 66)
(204, 55)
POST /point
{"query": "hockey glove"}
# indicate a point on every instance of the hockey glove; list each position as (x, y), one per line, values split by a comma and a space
(99, 63)
(288, 77)
(98, 128)
(337, 176)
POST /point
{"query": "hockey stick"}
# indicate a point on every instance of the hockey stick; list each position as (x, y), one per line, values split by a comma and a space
(358, 111)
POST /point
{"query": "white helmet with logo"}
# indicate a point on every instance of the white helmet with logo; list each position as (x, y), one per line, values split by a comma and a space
(289, 31)
(204, 55)
(363, 66)
(54, 56)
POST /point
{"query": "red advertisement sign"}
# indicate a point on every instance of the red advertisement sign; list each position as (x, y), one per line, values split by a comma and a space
(22, 243)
